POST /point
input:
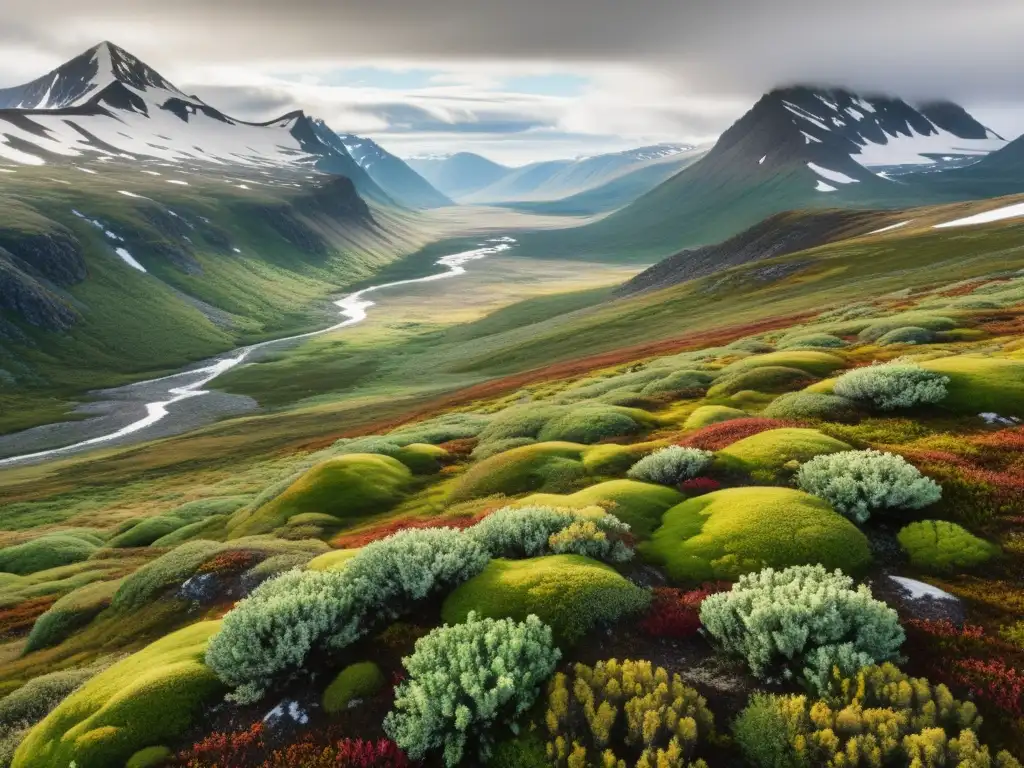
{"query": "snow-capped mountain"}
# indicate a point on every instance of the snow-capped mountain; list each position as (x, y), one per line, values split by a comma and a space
(76, 82)
(392, 173)
(806, 147)
(844, 137)
(106, 104)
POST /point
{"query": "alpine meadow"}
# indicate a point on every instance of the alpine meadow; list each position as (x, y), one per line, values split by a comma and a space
(390, 384)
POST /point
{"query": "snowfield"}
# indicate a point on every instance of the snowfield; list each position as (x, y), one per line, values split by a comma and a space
(1009, 212)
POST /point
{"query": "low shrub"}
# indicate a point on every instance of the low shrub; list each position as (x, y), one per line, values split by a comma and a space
(71, 612)
(147, 699)
(466, 680)
(450, 426)
(486, 450)
(908, 335)
(356, 681)
(612, 460)
(49, 551)
(698, 486)
(275, 628)
(531, 531)
(520, 421)
(599, 538)
(811, 405)
(319, 748)
(570, 593)
(858, 483)
(939, 546)
(671, 466)
(628, 713)
(725, 534)
(879, 328)
(889, 386)
(801, 622)
(283, 620)
(879, 716)
(675, 613)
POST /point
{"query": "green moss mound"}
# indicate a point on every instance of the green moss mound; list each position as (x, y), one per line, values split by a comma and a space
(910, 334)
(812, 341)
(770, 378)
(982, 384)
(71, 612)
(639, 505)
(332, 561)
(767, 454)
(591, 423)
(925, 320)
(149, 757)
(938, 546)
(356, 681)
(728, 533)
(46, 552)
(347, 487)
(811, 405)
(806, 360)
(421, 458)
(712, 414)
(569, 593)
(144, 533)
(145, 700)
(612, 460)
(552, 467)
(679, 381)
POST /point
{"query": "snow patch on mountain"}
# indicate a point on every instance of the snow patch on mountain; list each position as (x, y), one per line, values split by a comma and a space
(999, 214)
(830, 175)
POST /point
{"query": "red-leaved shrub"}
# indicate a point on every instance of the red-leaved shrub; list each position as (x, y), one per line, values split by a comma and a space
(698, 485)
(714, 437)
(676, 613)
(991, 681)
(315, 749)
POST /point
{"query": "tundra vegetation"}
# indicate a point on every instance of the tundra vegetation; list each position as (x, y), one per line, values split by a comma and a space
(670, 556)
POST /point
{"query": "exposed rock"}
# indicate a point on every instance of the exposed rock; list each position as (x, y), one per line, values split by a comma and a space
(30, 297)
(919, 600)
(55, 255)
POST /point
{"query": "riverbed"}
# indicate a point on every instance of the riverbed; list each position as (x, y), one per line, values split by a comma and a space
(170, 405)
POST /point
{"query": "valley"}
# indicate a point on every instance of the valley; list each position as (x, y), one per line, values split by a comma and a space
(316, 451)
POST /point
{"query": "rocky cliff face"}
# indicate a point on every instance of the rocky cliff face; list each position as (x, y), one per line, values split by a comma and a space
(33, 269)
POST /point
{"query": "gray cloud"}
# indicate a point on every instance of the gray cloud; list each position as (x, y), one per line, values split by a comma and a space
(408, 118)
(923, 48)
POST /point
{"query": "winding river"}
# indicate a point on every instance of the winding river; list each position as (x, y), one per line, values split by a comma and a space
(158, 395)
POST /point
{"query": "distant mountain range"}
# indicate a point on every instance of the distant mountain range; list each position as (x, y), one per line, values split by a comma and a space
(470, 178)
(106, 104)
(804, 147)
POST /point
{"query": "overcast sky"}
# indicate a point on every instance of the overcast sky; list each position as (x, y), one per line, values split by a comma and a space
(520, 80)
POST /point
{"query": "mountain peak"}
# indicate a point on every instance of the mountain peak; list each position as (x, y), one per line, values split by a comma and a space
(83, 78)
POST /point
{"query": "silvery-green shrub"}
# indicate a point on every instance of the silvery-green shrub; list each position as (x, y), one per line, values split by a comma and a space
(671, 466)
(410, 565)
(856, 483)
(465, 680)
(888, 386)
(274, 629)
(519, 532)
(800, 622)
